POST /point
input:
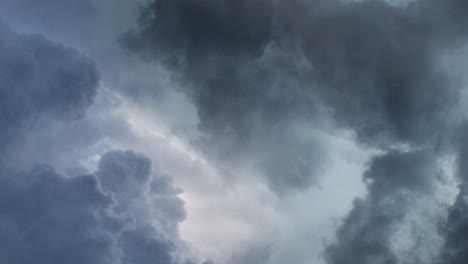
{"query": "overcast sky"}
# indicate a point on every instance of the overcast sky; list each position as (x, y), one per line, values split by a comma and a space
(233, 131)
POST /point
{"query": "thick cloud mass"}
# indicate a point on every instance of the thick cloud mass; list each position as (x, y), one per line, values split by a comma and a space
(394, 180)
(40, 78)
(216, 46)
(456, 227)
(128, 177)
(121, 214)
(371, 65)
(370, 61)
(251, 72)
(270, 80)
(47, 218)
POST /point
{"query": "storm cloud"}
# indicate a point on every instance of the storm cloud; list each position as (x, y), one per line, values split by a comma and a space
(46, 217)
(369, 66)
(121, 213)
(371, 62)
(41, 79)
(277, 86)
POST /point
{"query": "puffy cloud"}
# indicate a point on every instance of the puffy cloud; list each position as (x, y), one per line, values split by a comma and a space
(455, 227)
(395, 182)
(254, 74)
(129, 177)
(265, 77)
(216, 46)
(120, 214)
(41, 79)
(49, 218)
(369, 65)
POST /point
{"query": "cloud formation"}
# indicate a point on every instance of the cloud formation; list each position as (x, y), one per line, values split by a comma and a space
(370, 66)
(272, 82)
(41, 79)
(49, 218)
(122, 213)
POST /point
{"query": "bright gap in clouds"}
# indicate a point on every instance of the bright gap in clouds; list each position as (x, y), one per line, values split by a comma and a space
(224, 223)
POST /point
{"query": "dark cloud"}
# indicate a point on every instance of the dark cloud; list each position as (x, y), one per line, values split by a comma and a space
(455, 228)
(394, 181)
(129, 177)
(205, 29)
(376, 64)
(152, 201)
(372, 64)
(122, 213)
(47, 218)
(455, 250)
(252, 72)
(144, 245)
(216, 46)
(41, 79)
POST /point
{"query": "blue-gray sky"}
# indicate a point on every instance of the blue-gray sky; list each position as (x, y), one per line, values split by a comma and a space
(233, 131)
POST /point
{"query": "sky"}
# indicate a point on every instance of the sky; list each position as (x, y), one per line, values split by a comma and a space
(233, 131)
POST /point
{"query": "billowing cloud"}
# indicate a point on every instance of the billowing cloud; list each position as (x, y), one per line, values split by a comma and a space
(273, 83)
(368, 60)
(150, 201)
(395, 181)
(369, 66)
(41, 79)
(129, 177)
(455, 227)
(244, 105)
(49, 218)
(122, 213)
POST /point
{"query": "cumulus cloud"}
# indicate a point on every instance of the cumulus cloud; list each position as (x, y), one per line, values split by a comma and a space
(395, 181)
(368, 60)
(122, 213)
(41, 79)
(369, 66)
(455, 227)
(243, 103)
(149, 200)
(268, 79)
(49, 218)
(129, 177)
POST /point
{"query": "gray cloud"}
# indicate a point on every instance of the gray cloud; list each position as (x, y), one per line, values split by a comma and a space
(46, 217)
(455, 228)
(41, 79)
(455, 250)
(122, 213)
(129, 177)
(264, 75)
(370, 61)
(394, 181)
(371, 64)
(217, 48)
